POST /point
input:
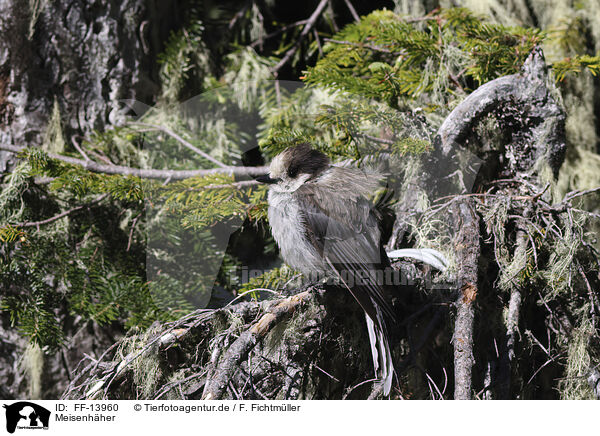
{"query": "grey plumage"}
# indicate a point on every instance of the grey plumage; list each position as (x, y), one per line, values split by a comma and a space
(323, 224)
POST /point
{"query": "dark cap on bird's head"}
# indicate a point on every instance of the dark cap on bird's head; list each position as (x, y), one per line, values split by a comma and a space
(294, 161)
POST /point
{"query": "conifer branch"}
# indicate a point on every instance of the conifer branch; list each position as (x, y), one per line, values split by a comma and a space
(236, 185)
(359, 44)
(145, 173)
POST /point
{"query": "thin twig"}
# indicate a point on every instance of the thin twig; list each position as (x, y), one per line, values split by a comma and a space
(434, 385)
(319, 47)
(239, 14)
(336, 28)
(349, 391)
(183, 142)
(278, 32)
(102, 157)
(352, 11)
(325, 372)
(131, 232)
(61, 215)
(79, 149)
(251, 290)
(574, 194)
(305, 31)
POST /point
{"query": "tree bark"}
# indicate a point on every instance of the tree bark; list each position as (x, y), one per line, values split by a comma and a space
(85, 57)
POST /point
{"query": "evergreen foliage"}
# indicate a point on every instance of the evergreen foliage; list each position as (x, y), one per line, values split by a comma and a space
(391, 59)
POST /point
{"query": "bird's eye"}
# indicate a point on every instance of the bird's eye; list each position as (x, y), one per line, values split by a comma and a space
(293, 172)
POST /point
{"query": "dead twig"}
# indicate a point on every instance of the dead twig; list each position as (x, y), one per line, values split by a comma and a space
(352, 10)
(305, 31)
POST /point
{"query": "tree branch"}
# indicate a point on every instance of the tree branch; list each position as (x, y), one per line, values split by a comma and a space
(146, 173)
(236, 185)
(218, 380)
(278, 32)
(467, 245)
(537, 111)
(305, 31)
(61, 215)
(359, 44)
(352, 10)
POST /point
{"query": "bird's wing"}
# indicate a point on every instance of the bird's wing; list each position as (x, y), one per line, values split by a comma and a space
(348, 240)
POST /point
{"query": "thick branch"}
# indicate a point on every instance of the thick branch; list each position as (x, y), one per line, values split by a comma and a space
(466, 242)
(525, 94)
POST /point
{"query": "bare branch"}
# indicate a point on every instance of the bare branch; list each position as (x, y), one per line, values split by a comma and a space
(305, 31)
(574, 194)
(539, 112)
(278, 32)
(514, 305)
(467, 245)
(352, 10)
(61, 215)
(79, 149)
(146, 173)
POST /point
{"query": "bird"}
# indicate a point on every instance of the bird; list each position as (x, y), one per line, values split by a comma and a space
(324, 224)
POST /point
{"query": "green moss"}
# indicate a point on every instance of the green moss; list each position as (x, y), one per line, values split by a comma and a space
(574, 386)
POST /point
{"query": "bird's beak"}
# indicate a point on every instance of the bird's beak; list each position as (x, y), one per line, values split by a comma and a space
(265, 178)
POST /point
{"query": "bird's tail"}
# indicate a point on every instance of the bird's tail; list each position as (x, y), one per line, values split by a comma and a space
(380, 349)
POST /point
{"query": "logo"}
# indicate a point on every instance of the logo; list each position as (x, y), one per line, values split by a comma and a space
(26, 415)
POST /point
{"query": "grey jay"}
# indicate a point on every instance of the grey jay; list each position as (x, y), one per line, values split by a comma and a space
(324, 224)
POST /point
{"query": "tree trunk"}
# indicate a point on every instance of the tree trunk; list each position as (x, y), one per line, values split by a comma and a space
(71, 62)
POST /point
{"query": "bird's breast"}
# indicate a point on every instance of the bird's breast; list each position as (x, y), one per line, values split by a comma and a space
(287, 227)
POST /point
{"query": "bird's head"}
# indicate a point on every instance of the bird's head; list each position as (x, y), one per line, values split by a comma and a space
(291, 168)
